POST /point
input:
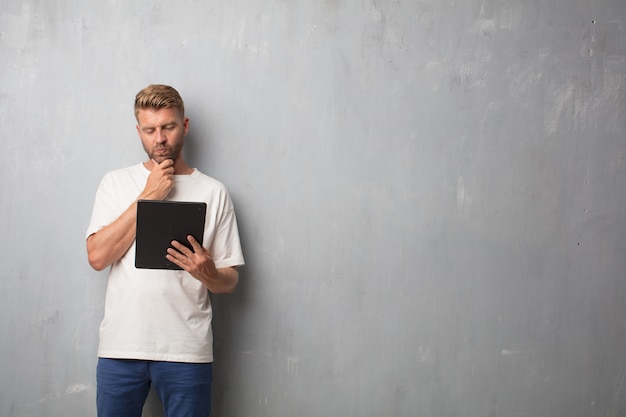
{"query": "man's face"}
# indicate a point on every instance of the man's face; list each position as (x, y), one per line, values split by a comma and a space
(162, 133)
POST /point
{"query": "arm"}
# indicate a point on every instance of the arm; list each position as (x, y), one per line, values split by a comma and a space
(110, 243)
(200, 265)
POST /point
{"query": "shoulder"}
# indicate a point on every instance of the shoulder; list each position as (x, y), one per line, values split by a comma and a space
(137, 169)
(133, 171)
(208, 181)
(122, 177)
(206, 188)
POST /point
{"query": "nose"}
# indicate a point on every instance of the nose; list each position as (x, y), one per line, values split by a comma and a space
(160, 137)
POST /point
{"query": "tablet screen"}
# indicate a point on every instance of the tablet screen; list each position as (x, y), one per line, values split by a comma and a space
(160, 222)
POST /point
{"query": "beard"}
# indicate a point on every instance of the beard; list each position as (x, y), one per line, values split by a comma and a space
(163, 152)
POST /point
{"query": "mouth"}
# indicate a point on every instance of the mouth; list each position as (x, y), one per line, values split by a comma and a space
(160, 154)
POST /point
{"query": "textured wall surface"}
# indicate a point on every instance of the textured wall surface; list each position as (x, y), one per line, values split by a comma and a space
(430, 194)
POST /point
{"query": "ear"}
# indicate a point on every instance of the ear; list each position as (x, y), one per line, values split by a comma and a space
(185, 126)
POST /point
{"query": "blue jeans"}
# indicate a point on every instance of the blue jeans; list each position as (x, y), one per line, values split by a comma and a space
(123, 386)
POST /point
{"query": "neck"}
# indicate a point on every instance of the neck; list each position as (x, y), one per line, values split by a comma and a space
(181, 167)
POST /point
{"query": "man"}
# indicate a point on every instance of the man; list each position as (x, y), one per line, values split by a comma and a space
(156, 329)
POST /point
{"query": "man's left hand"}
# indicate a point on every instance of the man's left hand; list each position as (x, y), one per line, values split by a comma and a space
(198, 262)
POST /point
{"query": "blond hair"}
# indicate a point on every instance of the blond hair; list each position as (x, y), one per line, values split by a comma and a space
(159, 96)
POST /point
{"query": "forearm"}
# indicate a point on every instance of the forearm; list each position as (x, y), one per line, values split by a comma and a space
(110, 243)
(223, 281)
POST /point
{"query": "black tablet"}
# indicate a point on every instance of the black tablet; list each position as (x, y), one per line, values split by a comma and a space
(160, 222)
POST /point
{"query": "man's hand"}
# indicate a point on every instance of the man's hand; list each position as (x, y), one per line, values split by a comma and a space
(199, 263)
(160, 181)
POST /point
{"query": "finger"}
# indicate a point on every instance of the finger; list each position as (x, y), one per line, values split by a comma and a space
(166, 163)
(180, 248)
(161, 166)
(173, 259)
(194, 244)
(177, 258)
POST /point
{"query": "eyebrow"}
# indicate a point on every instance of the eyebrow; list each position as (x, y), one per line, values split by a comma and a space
(151, 126)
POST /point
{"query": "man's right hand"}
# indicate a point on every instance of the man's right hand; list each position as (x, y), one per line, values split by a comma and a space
(110, 243)
(160, 181)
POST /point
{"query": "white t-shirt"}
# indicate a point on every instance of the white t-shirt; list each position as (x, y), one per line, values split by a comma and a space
(162, 315)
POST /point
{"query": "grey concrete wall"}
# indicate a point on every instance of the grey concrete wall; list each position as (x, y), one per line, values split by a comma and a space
(430, 193)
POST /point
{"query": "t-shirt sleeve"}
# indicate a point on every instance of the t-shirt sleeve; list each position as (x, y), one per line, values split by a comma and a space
(226, 246)
(104, 209)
